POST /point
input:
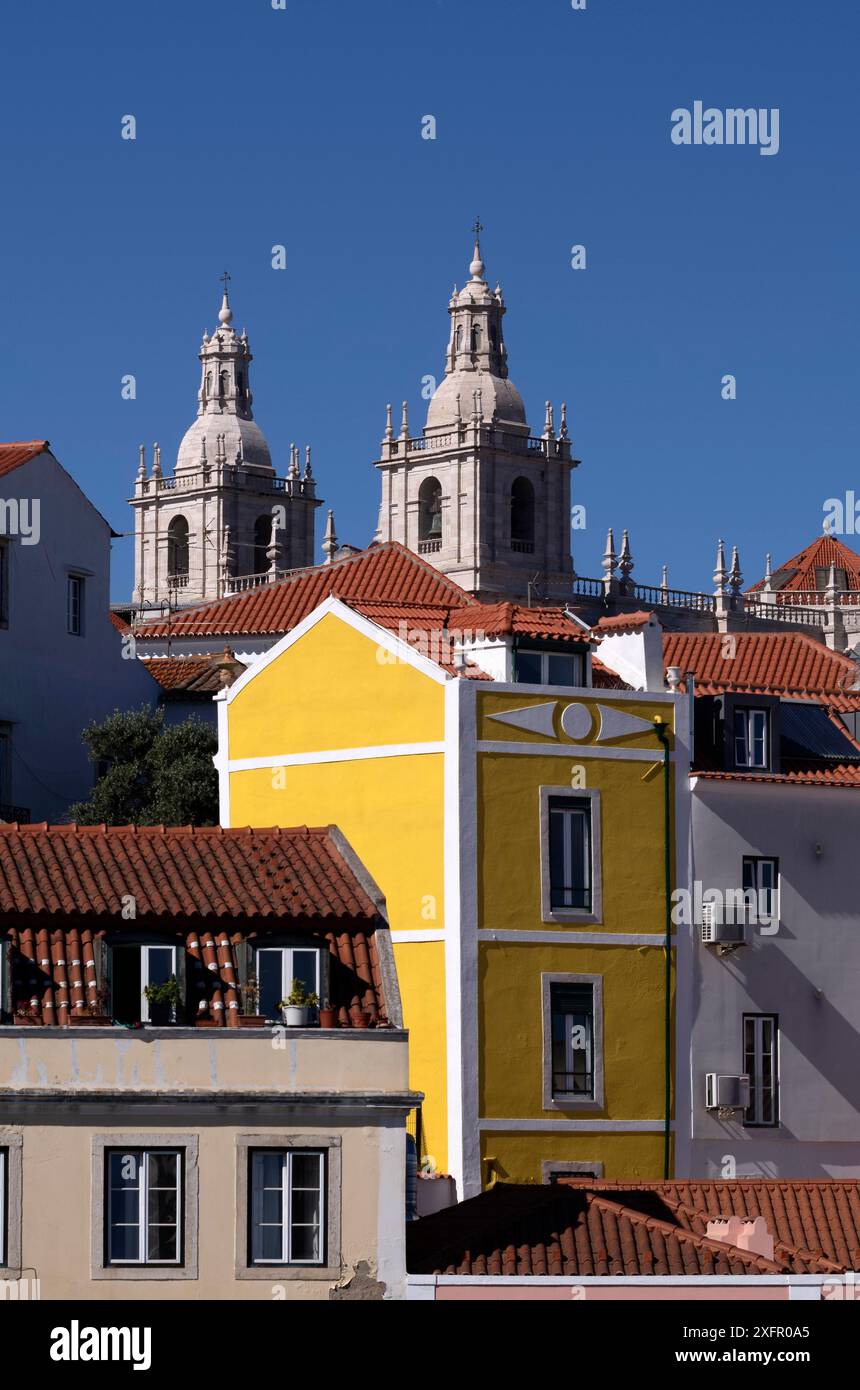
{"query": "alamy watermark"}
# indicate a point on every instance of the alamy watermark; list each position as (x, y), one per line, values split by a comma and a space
(708, 125)
(21, 517)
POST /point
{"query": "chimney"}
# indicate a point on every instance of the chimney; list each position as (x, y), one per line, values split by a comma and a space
(228, 668)
(746, 1234)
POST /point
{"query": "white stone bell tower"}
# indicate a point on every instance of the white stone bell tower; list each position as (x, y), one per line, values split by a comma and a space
(476, 494)
(223, 521)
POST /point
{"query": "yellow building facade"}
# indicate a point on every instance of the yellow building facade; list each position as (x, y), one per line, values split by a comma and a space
(524, 837)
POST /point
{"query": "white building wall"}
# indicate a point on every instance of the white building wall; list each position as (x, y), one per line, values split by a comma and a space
(808, 974)
(53, 684)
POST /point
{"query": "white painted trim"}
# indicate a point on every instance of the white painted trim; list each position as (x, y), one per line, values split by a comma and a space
(336, 755)
(380, 635)
(417, 936)
(468, 925)
(566, 1126)
(222, 761)
(588, 692)
(570, 938)
(572, 751)
(453, 963)
(685, 973)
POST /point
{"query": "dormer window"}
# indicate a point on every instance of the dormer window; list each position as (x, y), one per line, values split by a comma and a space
(136, 968)
(752, 737)
(277, 966)
(549, 668)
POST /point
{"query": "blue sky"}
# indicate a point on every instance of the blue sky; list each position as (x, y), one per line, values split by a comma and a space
(302, 127)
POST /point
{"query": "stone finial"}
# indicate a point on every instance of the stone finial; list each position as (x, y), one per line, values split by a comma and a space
(308, 469)
(225, 313)
(156, 460)
(476, 267)
(404, 422)
(273, 550)
(625, 560)
(548, 423)
(664, 582)
(721, 574)
(562, 433)
(293, 471)
(389, 428)
(228, 556)
(610, 559)
(329, 545)
(831, 590)
(141, 467)
(736, 579)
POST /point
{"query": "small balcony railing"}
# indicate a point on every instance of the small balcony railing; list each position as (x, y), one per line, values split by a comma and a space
(429, 547)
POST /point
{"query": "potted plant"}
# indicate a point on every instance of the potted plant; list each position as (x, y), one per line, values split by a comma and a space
(328, 1015)
(164, 1000)
(296, 1009)
(250, 1017)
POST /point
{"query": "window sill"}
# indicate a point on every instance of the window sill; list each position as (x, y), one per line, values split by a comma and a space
(572, 914)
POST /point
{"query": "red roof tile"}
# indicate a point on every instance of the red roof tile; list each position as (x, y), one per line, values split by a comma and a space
(179, 871)
(763, 662)
(614, 1228)
(14, 454)
(842, 776)
(621, 621)
(187, 675)
(800, 571)
(387, 571)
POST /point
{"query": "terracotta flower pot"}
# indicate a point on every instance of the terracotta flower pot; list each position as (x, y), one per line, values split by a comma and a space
(28, 1020)
(358, 1017)
(328, 1018)
(77, 1020)
(252, 1020)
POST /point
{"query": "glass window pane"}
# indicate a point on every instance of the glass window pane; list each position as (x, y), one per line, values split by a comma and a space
(306, 1243)
(741, 753)
(124, 1206)
(124, 1243)
(162, 1243)
(124, 1169)
(267, 1243)
(306, 1170)
(270, 1208)
(562, 670)
(306, 1206)
(163, 1169)
(159, 964)
(529, 667)
(162, 1206)
(305, 967)
(268, 1168)
(270, 976)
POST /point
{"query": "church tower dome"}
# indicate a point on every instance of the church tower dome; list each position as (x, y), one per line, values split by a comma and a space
(477, 494)
(225, 419)
(223, 521)
(476, 358)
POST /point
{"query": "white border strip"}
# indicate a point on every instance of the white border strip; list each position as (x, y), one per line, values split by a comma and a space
(569, 938)
(572, 751)
(336, 755)
(565, 1126)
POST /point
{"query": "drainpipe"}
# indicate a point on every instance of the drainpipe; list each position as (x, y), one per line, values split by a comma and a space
(661, 730)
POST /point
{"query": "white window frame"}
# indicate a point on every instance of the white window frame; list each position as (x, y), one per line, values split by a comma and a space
(75, 585)
(753, 1115)
(144, 1155)
(287, 1157)
(11, 1202)
(747, 740)
(287, 976)
(550, 913)
(757, 861)
(544, 667)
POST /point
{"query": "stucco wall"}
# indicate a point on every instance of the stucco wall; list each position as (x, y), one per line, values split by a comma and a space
(808, 974)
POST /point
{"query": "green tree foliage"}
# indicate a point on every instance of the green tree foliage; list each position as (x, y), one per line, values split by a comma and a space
(150, 774)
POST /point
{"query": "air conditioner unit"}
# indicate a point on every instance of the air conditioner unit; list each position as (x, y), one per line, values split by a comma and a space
(726, 1093)
(726, 936)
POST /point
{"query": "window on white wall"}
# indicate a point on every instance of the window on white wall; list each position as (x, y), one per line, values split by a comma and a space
(761, 1064)
(549, 668)
(761, 877)
(144, 1206)
(287, 1207)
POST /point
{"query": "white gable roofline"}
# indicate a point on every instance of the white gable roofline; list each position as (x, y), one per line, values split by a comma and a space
(380, 635)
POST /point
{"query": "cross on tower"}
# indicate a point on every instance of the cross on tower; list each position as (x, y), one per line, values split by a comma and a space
(224, 280)
(478, 227)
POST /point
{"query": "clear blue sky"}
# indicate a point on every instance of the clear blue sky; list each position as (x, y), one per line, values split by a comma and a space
(302, 127)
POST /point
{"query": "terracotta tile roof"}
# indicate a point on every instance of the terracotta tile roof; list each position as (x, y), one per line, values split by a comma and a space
(604, 679)
(605, 1228)
(179, 871)
(764, 663)
(800, 571)
(622, 621)
(59, 884)
(388, 571)
(21, 451)
(186, 675)
(514, 619)
(842, 776)
(118, 622)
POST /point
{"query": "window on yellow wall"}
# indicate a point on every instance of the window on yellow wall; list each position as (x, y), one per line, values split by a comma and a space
(572, 1013)
(570, 852)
